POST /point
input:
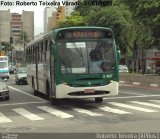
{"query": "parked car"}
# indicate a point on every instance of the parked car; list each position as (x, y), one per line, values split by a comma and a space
(21, 76)
(12, 69)
(4, 90)
(123, 68)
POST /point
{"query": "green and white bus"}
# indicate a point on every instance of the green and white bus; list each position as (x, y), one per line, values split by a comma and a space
(74, 62)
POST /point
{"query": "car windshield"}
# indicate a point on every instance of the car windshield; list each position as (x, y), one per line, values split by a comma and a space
(22, 70)
(86, 57)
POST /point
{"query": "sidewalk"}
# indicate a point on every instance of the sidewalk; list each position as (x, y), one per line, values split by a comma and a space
(151, 80)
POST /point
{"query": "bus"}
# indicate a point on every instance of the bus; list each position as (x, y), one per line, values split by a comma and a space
(4, 67)
(74, 62)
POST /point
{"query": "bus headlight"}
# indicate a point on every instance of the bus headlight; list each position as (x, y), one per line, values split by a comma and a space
(64, 83)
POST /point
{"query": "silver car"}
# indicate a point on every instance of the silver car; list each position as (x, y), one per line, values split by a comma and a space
(123, 68)
(21, 76)
(4, 90)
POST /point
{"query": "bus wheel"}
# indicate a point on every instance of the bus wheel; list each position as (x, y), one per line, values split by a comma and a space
(7, 98)
(35, 93)
(98, 99)
(54, 101)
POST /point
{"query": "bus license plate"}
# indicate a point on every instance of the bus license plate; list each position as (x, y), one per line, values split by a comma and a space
(89, 91)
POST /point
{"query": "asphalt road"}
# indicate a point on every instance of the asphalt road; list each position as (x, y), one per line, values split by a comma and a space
(134, 110)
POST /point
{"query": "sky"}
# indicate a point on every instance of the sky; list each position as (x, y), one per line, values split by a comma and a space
(38, 11)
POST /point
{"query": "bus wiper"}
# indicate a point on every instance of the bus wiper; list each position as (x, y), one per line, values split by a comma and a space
(79, 52)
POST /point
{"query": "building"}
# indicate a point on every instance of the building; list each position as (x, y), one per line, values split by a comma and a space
(152, 61)
(57, 16)
(48, 11)
(69, 8)
(5, 31)
(54, 14)
(14, 25)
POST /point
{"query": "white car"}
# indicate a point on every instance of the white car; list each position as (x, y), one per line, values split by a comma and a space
(4, 90)
(123, 68)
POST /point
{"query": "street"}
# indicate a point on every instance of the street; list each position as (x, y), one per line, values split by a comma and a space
(133, 110)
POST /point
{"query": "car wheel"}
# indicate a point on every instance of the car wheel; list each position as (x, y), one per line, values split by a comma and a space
(99, 100)
(7, 98)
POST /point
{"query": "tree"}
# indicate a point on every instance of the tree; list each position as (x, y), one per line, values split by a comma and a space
(8, 47)
(24, 36)
(74, 20)
(119, 19)
(146, 14)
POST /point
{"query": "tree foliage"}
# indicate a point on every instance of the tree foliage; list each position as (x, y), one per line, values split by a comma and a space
(146, 14)
(119, 19)
(8, 47)
(24, 37)
(129, 19)
(74, 20)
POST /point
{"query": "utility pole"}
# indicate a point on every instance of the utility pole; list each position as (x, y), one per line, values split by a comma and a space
(142, 60)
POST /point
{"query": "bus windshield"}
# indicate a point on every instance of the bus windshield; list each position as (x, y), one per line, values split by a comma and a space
(3, 64)
(86, 57)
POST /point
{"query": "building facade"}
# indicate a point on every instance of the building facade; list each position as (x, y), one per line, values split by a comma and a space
(69, 8)
(54, 14)
(5, 31)
(14, 25)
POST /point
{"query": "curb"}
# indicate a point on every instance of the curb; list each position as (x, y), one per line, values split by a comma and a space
(138, 83)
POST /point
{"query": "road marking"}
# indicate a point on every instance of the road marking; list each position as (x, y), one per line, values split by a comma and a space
(4, 119)
(28, 114)
(132, 97)
(117, 111)
(131, 107)
(158, 101)
(131, 93)
(26, 93)
(145, 103)
(55, 112)
(23, 103)
(80, 110)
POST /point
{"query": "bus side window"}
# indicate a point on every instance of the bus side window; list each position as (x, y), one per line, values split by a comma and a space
(41, 51)
(46, 45)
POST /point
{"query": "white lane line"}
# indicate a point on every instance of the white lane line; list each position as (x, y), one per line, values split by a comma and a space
(55, 112)
(23, 103)
(145, 103)
(28, 114)
(131, 107)
(131, 93)
(84, 111)
(26, 93)
(132, 97)
(158, 101)
(112, 110)
(4, 119)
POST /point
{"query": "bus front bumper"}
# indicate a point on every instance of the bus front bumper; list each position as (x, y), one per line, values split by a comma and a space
(65, 91)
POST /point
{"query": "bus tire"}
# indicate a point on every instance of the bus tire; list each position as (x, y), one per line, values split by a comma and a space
(54, 101)
(35, 92)
(48, 90)
(98, 99)
(7, 98)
